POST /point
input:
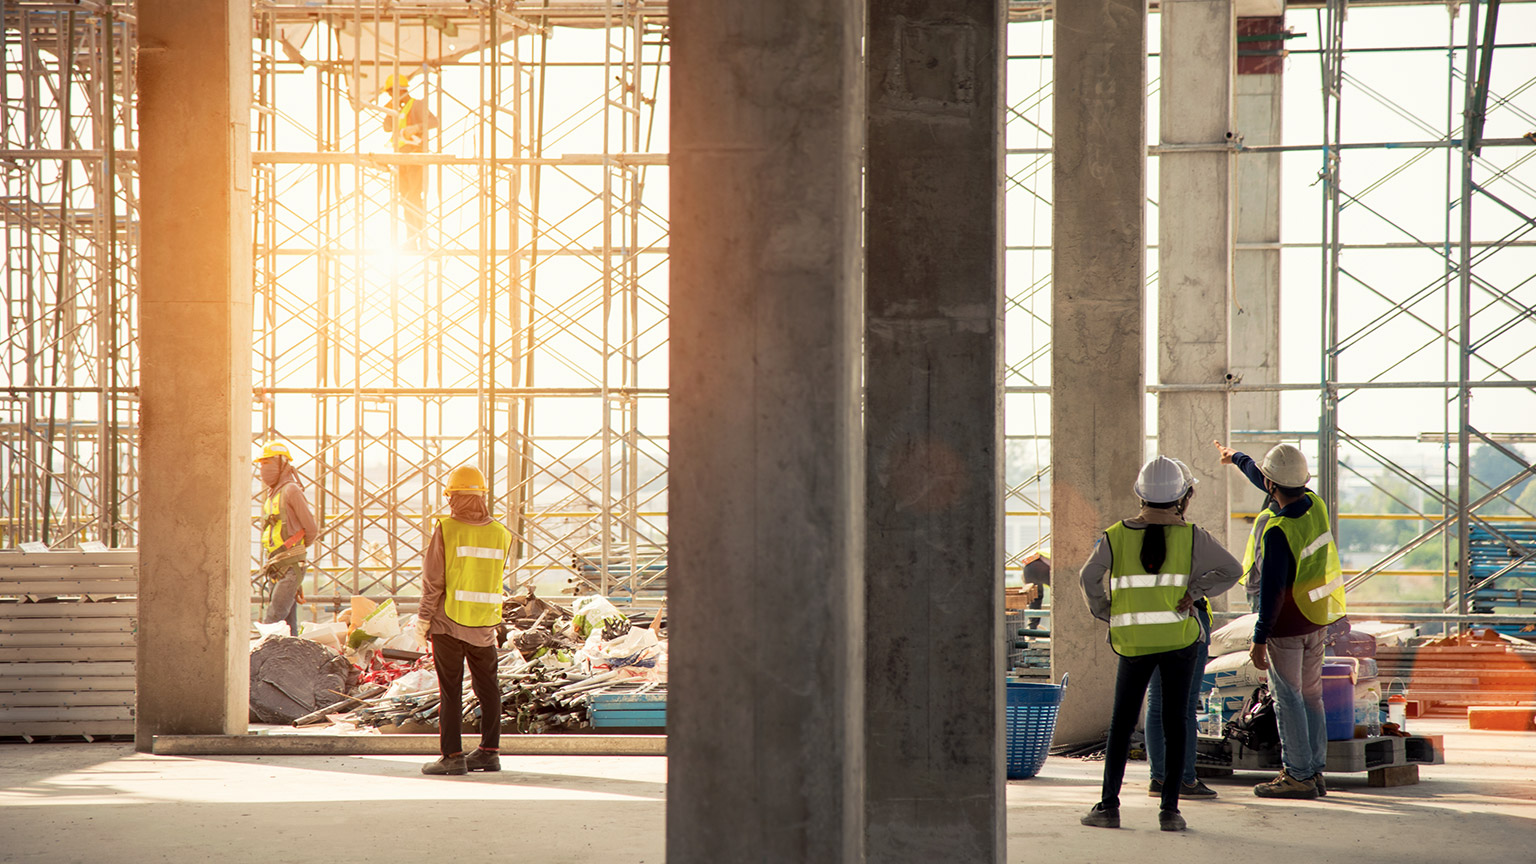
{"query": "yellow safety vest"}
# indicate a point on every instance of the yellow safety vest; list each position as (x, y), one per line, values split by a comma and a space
(474, 557)
(1143, 607)
(1251, 551)
(272, 525)
(1319, 586)
(403, 119)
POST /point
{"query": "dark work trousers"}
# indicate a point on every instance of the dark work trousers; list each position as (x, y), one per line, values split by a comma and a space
(284, 604)
(1177, 668)
(449, 656)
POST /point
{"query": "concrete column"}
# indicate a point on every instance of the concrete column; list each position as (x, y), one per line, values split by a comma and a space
(1194, 242)
(194, 82)
(933, 560)
(766, 707)
(1098, 379)
(1256, 286)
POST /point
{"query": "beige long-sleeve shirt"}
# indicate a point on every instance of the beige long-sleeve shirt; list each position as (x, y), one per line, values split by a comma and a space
(296, 513)
(471, 510)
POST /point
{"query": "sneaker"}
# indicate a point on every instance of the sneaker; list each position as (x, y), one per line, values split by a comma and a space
(1286, 786)
(1100, 817)
(1170, 820)
(447, 765)
(483, 760)
(1322, 788)
(1196, 791)
(1155, 789)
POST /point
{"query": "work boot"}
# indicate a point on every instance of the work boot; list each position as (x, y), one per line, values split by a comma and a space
(453, 765)
(1322, 788)
(1196, 791)
(1170, 820)
(1102, 817)
(1286, 786)
(483, 760)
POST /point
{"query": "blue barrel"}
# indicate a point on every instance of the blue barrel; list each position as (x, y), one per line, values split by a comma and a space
(1339, 701)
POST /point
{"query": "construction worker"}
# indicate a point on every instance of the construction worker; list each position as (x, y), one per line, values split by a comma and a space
(461, 595)
(288, 531)
(1143, 579)
(407, 124)
(1301, 592)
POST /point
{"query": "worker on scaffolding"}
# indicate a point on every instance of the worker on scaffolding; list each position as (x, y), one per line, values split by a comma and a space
(408, 123)
(288, 530)
(461, 594)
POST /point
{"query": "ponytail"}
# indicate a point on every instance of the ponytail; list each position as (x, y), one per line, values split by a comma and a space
(1154, 548)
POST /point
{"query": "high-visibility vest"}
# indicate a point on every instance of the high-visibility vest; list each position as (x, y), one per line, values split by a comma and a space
(1143, 607)
(1251, 551)
(402, 120)
(473, 559)
(1319, 586)
(272, 525)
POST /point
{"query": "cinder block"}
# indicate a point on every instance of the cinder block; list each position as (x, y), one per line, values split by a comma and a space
(1396, 775)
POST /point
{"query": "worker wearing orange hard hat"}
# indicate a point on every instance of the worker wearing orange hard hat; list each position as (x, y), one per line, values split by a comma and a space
(461, 596)
(288, 532)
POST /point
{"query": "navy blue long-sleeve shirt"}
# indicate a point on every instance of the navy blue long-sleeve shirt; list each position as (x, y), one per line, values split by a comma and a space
(1278, 613)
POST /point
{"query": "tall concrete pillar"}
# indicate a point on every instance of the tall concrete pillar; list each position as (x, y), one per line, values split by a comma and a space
(933, 561)
(1256, 285)
(1194, 242)
(766, 700)
(194, 82)
(1098, 379)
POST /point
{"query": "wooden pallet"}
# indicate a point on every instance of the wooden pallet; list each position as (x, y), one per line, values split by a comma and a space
(1376, 757)
(68, 622)
(1461, 675)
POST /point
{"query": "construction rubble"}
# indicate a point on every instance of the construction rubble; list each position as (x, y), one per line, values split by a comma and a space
(560, 669)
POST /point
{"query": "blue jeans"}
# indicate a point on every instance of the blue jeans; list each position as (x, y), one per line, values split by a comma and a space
(1296, 682)
(1156, 745)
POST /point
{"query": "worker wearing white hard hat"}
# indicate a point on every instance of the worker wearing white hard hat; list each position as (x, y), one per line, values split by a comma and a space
(1300, 588)
(1143, 579)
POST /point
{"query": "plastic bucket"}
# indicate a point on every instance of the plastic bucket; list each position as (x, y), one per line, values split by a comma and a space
(1339, 701)
(1031, 719)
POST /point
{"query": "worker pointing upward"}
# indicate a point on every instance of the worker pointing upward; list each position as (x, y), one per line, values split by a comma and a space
(461, 579)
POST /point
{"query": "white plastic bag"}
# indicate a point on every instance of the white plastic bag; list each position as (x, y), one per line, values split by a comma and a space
(590, 612)
(419, 681)
(278, 629)
(383, 622)
(330, 634)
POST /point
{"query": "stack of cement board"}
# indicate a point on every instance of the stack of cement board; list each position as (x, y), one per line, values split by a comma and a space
(67, 624)
(1489, 673)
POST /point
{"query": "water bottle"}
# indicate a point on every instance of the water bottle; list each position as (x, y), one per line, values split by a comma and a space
(1213, 718)
(1397, 709)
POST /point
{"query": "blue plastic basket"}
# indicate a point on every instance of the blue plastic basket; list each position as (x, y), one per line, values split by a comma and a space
(1031, 723)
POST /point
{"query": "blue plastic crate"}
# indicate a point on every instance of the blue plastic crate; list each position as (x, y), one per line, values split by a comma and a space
(1031, 719)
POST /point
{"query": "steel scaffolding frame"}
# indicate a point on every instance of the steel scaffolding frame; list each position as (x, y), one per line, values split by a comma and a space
(68, 207)
(1379, 335)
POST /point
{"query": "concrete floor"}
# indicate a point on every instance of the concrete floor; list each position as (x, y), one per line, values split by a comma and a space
(103, 803)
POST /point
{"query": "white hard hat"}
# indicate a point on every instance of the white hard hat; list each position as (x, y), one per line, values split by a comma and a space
(1189, 476)
(1161, 482)
(1286, 466)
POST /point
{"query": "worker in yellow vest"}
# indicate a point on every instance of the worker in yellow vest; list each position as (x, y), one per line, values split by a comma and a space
(1143, 579)
(288, 533)
(408, 123)
(461, 595)
(1301, 591)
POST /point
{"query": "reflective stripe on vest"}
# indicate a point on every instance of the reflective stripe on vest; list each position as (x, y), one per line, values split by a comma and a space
(473, 559)
(1319, 587)
(1143, 607)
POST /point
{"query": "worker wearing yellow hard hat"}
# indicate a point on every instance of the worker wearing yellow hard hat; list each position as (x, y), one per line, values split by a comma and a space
(288, 532)
(461, 594)
(408, 124)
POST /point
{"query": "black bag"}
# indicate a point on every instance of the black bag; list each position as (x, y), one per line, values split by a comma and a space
(1255, 726)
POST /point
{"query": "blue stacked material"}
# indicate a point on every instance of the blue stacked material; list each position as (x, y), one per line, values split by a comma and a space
(1031, 723)
(629, 710)
(1512, 571)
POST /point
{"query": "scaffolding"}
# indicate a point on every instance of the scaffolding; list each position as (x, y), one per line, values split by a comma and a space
(1412, 264)
(525, 329)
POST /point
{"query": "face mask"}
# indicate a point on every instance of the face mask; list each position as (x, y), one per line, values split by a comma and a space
(270, 471)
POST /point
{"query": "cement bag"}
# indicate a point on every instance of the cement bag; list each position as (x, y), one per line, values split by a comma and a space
(1234, 670)
(591, 612)
(383, 622)
(1234, 636)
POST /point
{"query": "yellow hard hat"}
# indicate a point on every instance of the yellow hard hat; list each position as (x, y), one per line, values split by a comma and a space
(397, 82)
(272, 450)
(467, 479)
